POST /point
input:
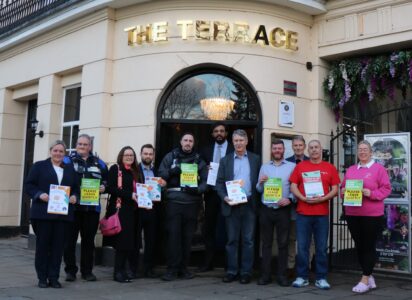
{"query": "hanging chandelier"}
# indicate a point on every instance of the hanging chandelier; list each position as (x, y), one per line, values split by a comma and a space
(216, 108)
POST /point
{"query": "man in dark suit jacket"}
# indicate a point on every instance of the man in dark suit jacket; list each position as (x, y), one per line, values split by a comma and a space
(213, 153)
(240, 218)
(298, 146)
(147, 219)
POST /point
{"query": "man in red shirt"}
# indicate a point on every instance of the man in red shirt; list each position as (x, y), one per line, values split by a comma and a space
(313, 182)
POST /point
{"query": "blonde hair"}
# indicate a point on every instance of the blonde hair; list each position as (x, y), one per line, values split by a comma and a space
(57, 142)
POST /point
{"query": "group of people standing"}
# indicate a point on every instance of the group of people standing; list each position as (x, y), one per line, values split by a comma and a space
(296, 216)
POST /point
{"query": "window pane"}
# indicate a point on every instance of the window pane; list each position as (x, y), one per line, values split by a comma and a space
(210, 97)
(75, 135)
(72, 105)
(66, 136)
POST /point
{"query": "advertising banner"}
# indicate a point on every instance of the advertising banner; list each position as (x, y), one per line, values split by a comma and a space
(393, 246)
(392, 150)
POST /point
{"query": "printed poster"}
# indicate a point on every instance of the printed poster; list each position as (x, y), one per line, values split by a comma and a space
(58, 200)
(353, 193)
(393, 245)
(143, 197)
(155, 190)
(392, 151)
(312, 184)
(188, 177)
(89, 192)
(235, 191)
(272, 190)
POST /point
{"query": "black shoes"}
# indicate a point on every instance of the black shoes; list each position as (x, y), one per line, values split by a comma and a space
(245, 279)
(185, 274)
(55, 284)
(70, 277)
(291, 274)
(205, 268)
(52, 283)
(42, 284)
(150, 274)
(264, 281)
(169, 276)
(230, 278)
(122, 278)
(283, 281)
(87, 277)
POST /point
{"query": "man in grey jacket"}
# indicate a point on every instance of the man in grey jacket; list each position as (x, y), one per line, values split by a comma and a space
(240, 218)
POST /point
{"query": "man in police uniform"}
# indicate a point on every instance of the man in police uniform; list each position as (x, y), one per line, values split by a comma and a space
(182, 205)
(86, 217)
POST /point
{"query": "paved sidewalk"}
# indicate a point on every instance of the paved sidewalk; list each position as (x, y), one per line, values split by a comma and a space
(18, 281)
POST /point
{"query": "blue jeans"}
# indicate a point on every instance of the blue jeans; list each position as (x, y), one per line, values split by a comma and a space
(240, 226)
(305, 227)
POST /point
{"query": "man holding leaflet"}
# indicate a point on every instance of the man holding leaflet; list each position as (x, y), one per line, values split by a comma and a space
(86, 217)
(212, 155)
(147, 218)
(240, 217)
(185, 173)
(313, 182)
(275, 211)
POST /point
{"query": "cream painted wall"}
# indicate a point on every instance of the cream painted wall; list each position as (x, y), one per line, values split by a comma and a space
(356, 26)
(121, 85)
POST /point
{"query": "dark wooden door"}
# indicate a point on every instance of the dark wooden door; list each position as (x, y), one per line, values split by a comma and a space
(28, 162)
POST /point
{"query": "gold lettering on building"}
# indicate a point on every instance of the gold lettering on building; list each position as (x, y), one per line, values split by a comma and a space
(261, 35)
(202, 30)
(185, 24)
(277, 37)
(241, 32)
(221, 31)
(292, 40)
(159, 31)
(214, 31)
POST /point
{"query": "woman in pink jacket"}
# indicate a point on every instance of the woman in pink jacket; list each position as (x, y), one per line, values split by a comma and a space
(365, 221)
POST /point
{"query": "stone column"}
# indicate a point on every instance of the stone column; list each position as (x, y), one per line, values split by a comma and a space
(49, 114)
(12, 132)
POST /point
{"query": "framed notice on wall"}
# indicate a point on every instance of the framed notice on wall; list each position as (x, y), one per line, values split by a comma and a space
(286, 113)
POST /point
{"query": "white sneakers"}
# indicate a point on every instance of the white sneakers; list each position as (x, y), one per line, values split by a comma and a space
(321, 283)
(300, 282)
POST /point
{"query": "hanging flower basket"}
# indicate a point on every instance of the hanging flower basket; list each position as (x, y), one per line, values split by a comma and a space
(357, 81)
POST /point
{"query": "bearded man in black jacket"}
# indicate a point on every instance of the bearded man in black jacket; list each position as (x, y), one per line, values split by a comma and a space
(183, 204)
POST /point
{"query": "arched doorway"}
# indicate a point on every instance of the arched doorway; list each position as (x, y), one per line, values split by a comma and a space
(199, 96)
(196, 98)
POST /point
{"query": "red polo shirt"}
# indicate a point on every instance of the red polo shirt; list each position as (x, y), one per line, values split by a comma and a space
(329, 176)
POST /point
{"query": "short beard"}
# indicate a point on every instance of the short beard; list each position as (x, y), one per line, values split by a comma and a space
(220, 142)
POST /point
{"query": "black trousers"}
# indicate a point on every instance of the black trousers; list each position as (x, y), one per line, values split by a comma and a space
(181, 225)
(120, 259)
(85, 223)
(212, 212)
(269, 219)
(50, 237)
(365, 231)
(147, 225)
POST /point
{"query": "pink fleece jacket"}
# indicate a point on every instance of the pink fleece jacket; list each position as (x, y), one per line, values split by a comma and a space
(374, 178)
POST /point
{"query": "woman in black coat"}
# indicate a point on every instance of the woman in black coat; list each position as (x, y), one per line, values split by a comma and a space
(50, 229)
(125, 242)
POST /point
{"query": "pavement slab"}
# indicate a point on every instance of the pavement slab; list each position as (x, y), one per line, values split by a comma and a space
(18, 282)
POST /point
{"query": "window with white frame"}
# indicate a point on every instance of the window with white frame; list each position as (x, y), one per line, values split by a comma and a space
(71, 117)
